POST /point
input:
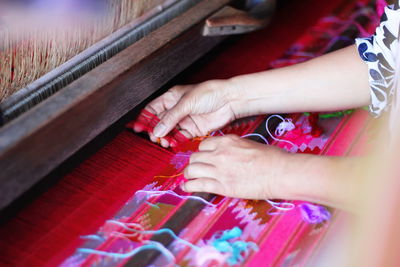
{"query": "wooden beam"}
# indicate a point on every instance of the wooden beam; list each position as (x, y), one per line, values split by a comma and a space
(39, 140)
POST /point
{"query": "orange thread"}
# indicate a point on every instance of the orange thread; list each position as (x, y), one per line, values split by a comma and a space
(200, 138)
(168, 176)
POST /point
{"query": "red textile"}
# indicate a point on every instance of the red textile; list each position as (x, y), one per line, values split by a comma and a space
(45, 232)
(146, 122)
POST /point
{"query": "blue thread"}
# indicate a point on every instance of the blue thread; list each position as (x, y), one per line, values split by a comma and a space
(238, 250)
(152, 205)
(161, 231)
(151, 245)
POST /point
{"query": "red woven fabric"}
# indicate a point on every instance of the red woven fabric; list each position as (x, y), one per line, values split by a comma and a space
(146, 121)
(47, 230)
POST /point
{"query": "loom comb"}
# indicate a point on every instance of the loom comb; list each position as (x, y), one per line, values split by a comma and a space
(128, 30)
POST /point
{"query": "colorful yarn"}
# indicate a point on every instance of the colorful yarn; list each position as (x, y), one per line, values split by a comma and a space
(285, 125)
(169, 192)
(208, 255)
(237, 250)
(149, 232)
(146, 121)
(149, 245)
(314, 213)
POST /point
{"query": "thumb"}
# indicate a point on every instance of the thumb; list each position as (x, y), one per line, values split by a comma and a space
(170, 119)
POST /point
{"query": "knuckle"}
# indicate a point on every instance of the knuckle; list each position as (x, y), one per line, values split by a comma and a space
(226, 139)
(205, 143)
(188, 171)
(194, 158)
(175, 89)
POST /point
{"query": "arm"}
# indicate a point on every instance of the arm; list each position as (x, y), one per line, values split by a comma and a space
(335, 81)
(320, 179)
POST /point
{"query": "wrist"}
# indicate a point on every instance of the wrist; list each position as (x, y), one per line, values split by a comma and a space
(237, 98)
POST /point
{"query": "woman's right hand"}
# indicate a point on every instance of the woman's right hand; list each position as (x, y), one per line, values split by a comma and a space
(194, 109)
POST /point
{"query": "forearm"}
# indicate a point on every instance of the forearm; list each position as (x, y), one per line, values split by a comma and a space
(335, 81)
(325, 180)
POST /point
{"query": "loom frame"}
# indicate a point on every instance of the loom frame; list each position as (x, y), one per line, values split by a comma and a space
(39, 140)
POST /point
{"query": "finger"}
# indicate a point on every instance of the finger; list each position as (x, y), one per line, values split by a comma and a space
(164, 143)
(153, 138)
(138, 127)
(196, 170)
(210, 144)
(158, 105)
(150, 108)
(203, 185)
(190, 125)
(201, 157)
(186, 133)
(171, 118)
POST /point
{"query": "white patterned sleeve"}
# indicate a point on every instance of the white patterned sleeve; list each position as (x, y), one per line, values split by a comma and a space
(379, 52)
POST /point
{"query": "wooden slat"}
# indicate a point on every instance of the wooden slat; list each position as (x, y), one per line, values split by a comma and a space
(39, 140)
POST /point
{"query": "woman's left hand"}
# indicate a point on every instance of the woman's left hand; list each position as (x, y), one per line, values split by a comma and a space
(235, 167)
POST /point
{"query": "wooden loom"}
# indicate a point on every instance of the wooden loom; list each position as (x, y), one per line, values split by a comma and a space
(35, 122)
(100, 98)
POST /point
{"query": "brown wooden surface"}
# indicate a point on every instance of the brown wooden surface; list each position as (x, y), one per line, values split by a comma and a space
(39, 140)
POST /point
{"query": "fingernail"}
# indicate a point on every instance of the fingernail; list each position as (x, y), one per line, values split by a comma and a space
(160, 130)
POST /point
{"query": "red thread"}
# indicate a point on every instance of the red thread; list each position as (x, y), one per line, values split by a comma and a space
(146, 121)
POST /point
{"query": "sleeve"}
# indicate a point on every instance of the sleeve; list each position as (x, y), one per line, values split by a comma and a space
(379, 52)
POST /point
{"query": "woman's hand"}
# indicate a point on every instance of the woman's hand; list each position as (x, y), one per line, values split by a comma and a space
(194, 109)
(236, 167)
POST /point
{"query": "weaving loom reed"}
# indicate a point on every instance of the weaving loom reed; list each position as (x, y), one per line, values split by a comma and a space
(27, 55)
(89, 195)
(32, 66)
